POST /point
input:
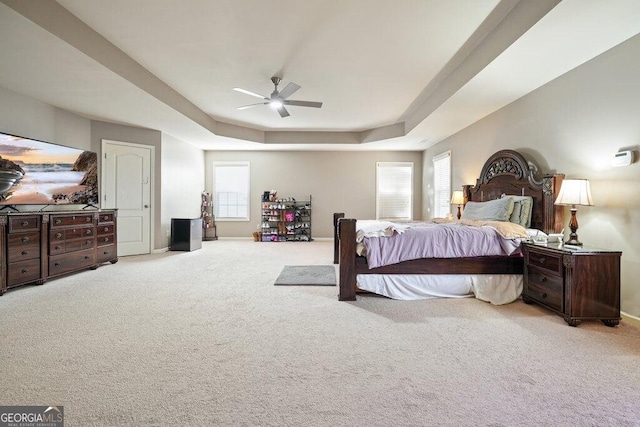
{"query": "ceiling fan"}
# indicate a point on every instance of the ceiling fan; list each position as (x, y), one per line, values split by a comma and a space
(278, 100)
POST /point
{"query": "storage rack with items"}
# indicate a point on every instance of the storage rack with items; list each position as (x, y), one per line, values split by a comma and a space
(285, 219)
(209, 231)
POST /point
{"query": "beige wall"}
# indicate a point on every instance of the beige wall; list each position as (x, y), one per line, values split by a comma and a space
(573, 125)
(337, 181)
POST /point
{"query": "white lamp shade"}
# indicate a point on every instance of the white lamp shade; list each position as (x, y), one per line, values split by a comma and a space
(575, 192)
(457, 198)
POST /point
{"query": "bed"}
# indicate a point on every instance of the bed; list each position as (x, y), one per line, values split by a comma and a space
(505, 173)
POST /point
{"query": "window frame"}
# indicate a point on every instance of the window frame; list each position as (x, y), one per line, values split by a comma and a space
(217, 164)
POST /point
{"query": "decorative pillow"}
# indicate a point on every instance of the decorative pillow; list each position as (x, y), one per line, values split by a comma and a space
(493, 210)
(526, 205)
(517, 211)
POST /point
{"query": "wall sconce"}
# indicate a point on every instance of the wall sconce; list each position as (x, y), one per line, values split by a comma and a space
(457, 199)
(574, 192)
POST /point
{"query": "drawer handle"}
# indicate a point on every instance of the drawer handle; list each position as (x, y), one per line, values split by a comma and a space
(25, 270)
(106, 229)
(58, 247)
(23, 253)
(87, 219)
(106, 239)
(25, 239)
(58, 235)
(24, 223)
(87, 242)
(88, 232)
(543, 279)
(105, 253)
(87, 257)
(544, 295)
(542, 260)
(56, 264)
(58, 221)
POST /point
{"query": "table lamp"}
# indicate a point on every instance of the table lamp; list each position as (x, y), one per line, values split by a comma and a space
(457, 199)
(574, 192)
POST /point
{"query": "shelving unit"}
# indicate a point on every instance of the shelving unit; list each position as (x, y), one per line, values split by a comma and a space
(286, 220)
(209, 231)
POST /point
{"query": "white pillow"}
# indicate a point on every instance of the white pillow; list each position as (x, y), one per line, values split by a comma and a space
(493, 210)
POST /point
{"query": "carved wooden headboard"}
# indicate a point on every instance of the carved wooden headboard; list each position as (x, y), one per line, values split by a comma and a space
(508, 172)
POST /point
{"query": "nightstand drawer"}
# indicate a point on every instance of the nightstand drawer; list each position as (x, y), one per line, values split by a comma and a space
(545, 288)
(547, 261)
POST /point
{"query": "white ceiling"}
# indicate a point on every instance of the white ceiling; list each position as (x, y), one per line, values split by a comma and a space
(391, 75)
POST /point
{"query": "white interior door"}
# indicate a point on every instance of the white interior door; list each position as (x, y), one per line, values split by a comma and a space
(126, 186)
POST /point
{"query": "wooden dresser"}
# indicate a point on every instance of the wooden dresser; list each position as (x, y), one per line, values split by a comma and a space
(37, 246)
(578, 284)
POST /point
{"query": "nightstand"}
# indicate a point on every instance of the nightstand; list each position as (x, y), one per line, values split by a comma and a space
(578, 284)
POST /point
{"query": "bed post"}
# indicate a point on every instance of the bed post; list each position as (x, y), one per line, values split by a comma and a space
(553, 215)
(347, 230)
(336, 238)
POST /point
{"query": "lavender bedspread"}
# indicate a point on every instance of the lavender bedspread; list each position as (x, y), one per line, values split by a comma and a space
(429, 240)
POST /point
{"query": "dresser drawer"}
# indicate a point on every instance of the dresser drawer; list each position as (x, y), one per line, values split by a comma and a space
(550, 262)
(23, 272)
(78, 245)
(23, 223)
(105, 217)
(56, 247)
(545, 288)
(105, 229)
(60, 264)
(23, 246)
(57, 221)
(106, 253)
(60, 235)
(22, 252)
(106, 240)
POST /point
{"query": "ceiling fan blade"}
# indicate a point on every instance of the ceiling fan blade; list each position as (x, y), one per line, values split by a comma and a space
(289, 90)
(244, 107)
(248, 92)
(303, 103)
(283, 112)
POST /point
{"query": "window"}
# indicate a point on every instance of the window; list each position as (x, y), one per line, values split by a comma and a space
(442, 185)
(394, 190)
(231, 190)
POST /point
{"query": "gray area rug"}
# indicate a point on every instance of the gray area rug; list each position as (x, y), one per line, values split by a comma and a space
(300, 275)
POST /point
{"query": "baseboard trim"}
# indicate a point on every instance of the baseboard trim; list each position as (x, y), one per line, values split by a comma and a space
(632, 320)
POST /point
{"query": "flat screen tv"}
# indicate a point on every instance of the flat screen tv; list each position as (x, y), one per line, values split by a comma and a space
(41, 173)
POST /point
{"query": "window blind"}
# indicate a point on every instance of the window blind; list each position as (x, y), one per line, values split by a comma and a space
(442, 185)
(394, 190)
(231, 190)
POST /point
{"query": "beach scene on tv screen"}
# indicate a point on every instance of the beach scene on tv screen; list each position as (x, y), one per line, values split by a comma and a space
(40, 173)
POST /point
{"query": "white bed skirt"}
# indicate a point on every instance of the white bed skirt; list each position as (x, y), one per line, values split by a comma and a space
(494, 288)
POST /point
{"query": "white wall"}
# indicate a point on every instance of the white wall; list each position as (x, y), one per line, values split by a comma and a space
(29, 118)
(573, 125)
(337, 181)
(182, 182)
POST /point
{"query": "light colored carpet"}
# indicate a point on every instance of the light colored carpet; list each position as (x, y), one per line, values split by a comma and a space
(313, 275)
(204, 338)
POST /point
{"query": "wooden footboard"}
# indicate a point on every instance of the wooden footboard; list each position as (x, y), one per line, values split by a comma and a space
(351, 264)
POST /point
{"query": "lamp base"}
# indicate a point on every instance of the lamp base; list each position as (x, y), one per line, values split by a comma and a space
(573, 226)
(573, 242)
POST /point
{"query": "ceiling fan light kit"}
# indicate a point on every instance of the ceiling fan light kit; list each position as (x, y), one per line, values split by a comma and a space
(278, 99)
